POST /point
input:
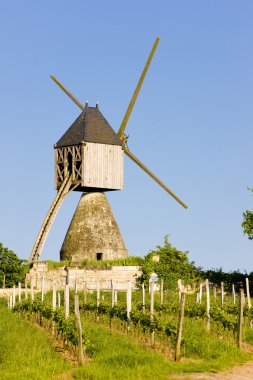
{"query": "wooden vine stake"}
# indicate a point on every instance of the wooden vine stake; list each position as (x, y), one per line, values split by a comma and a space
(240, 324)
(233, 293)
(66, 301)
(54, 297)
(79, 332)
(214, 292)
(85, 293)
(143, 296)
(200, 292)
(161, 291)
(152, 312)
(129, 305)
(19, 292)
(180, 327)
(59, 299)
(222, 293)
(42, 288)
(98, 300)
(13, 296)
(248, 293)
(207, 305)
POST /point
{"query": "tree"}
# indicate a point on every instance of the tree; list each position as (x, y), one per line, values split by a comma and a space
(172, 265)
(247, 223)
(12, 269)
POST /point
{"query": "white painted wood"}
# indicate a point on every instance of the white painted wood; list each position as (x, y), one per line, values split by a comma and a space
(103, 166)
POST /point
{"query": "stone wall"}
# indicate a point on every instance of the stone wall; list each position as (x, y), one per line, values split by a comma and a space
(89, 277)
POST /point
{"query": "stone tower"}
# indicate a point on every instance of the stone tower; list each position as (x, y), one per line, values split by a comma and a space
(93, 233)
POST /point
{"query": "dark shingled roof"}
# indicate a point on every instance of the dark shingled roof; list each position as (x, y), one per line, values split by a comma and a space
(90, 126)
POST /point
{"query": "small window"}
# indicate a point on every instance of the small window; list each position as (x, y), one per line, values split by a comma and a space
(99, 256)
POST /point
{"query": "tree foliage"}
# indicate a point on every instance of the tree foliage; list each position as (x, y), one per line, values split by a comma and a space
(247, 223)
(12, 269)
(172, 265)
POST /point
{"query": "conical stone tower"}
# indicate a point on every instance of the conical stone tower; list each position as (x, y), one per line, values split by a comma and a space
(93, 233)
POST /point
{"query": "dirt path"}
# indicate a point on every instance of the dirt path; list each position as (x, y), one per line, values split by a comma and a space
(241, 372)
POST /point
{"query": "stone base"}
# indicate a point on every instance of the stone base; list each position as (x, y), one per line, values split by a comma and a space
(93, 233)
(89, 277)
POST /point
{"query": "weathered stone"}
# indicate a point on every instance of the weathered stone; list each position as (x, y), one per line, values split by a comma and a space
(93, 233)
(81, 277)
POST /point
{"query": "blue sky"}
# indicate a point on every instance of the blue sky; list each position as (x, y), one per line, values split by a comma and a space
(192, 123)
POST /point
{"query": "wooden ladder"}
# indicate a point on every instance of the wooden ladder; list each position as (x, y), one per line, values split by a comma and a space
(50, 217)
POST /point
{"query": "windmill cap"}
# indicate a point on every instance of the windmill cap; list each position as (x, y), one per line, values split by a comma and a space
(90, 126)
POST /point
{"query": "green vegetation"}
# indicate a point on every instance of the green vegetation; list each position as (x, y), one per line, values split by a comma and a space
(25, 353)
(170, 264)
(247, 223)
(118, 355)
(130, 260)
(12, 269)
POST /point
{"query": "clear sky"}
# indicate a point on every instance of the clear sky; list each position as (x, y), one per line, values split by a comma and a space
(192, 124)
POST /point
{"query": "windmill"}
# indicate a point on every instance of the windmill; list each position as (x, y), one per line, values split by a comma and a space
(89, 158)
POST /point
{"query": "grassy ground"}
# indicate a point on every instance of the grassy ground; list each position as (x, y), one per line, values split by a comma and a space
(117, 357)
(25, 353)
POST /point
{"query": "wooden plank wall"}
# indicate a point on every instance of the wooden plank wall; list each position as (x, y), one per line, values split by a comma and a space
(103, 166)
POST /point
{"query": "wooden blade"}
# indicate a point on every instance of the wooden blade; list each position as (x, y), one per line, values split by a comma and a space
(143, 167)
(136, 92)
(75, 100)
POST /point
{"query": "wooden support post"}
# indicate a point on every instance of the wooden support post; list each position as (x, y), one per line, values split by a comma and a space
(85, 293)
(26, 294)
(152, 312)
(207, 305)
(11, 301)
(161, 291)
(98, 299)
(143, 296)
(248, 293)
(214, 292)
(54, 296)
(59, 299)
(112, 290)
(115, 297)
(222, 293)
(180, 327)
(66, 301)
(129, 305)
(200, 292)
(179, 283)
(42, 288)
(76, 287)
(13, 296)
(240, 324)
(32, 292)
(19, 292)
(79, 332)
(233, 294)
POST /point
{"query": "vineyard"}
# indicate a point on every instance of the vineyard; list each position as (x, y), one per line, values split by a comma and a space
(151, 318)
